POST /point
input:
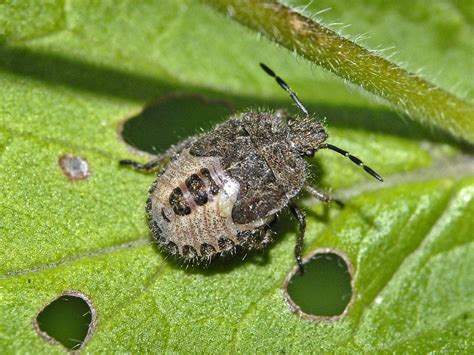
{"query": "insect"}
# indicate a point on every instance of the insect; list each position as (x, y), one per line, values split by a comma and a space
(222, 189)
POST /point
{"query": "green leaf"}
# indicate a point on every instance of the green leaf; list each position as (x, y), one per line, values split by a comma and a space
(71, 72)
(408, 92)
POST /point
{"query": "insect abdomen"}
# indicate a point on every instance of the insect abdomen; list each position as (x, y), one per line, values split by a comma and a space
(190, 207)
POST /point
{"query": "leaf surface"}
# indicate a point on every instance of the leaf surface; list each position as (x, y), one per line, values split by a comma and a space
(72, 77)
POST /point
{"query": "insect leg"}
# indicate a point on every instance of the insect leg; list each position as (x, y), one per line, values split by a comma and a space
(261, 240)
(266, 239)
(354, 159)
(322, 196)
(174, 149)
(299, 242)
(139, 166)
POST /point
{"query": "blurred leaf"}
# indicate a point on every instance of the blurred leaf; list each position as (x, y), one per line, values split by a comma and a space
(371, 70)
(67, 90)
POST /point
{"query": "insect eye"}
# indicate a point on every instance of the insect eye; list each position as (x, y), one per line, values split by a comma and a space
(309, 153)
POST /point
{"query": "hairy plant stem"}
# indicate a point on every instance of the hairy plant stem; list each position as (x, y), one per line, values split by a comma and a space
(408, 92)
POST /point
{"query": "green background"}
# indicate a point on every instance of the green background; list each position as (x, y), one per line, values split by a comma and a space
(72, 71)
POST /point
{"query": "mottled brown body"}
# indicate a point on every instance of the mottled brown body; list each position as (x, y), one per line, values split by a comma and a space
(222, 190)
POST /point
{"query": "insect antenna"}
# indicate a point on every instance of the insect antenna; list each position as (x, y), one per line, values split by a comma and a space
(285, 87)
(354, 159)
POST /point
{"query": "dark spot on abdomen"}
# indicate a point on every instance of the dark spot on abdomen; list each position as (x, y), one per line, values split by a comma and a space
(155, 227)
(207, 250)
(225, 244)
(163, 214)
(197, 189)
(172, 248)
(214, 188)
(178, 202)
(189, 252)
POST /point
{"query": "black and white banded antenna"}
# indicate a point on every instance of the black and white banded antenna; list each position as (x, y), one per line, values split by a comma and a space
(285, 87)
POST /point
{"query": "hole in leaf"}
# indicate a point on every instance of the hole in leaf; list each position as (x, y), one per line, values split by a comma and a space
(171, 119)
(68, 320)
(325, 291)
(74, 167)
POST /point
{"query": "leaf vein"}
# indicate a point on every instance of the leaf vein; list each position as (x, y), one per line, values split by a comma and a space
(95, 253)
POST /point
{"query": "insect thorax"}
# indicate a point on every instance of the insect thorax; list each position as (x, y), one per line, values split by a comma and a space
(257, 150)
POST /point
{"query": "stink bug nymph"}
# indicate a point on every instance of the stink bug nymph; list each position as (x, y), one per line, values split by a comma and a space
(222, 189)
